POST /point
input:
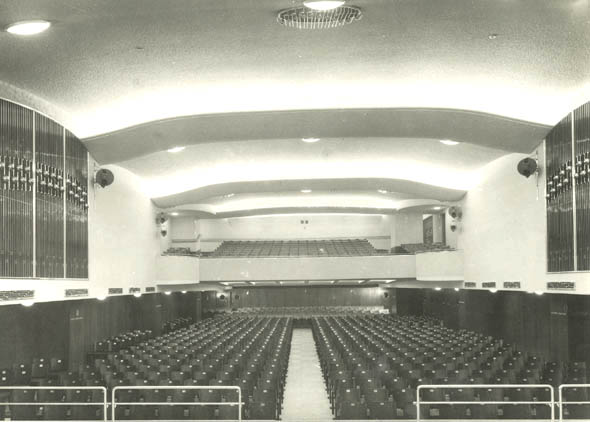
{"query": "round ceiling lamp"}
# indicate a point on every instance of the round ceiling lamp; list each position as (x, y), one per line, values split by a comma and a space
(323, 5)
(26, 28)
(307, 17)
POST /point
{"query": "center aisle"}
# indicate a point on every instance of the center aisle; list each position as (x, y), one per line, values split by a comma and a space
(305, 394)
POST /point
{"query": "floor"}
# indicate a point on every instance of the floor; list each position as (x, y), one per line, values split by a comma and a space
(305, 396)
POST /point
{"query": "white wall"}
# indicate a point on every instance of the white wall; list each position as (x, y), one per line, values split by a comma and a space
(406, 227)
(307, 268)
(503, 232)
(437, 228)
(440, 266)
(376, 228)
(124, 241)
(450, 235)
(184, 232)
(173, 270)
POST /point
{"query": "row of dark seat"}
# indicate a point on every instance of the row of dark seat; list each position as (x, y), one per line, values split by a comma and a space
(373, 365)
(249, 352)
(274, 248)
(32, 373)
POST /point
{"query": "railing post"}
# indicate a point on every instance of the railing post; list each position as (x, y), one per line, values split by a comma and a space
(106, 405)
(418, 403)
(113, 404)
(561, 402)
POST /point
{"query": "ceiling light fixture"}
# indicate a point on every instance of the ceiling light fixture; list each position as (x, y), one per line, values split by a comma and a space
(319, 15)
(448, 142)
(176, 149)
(493, 290)
(28, 27)
(28, 303)
(457, 289)
(101, 297)
(229, 195)
(437, 208)
(183, 292)
(539, 293)
(174, 214)
(310, 140)
(137, 294)
(168, 293)
(323, 5)
(437, 289)
(383, 191)
(305, 190)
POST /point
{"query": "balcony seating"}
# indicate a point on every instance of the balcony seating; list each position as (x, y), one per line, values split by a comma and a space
(181, 252)
(295, 248)
(413, 248)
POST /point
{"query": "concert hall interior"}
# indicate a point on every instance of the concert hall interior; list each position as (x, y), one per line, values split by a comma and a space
(294, 210)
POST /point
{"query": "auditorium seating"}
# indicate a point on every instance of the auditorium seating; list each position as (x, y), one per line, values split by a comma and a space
(180, 252)
(250, 352)
(176, 324)
(413, 248)
(372, 365)
(307, 311)
(122, 341)
(286, 248)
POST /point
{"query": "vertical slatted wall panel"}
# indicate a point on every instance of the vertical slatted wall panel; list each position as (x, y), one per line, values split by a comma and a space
(560, 198)
(16, 190)
(49, 201)
(582, 166)
(76, 208)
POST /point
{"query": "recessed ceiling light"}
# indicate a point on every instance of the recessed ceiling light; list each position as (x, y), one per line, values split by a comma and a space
(539, 293)
(492, 36)
(137, 294)
(168, 293)
(28, 27)
(229, 195)
(101, 297)
(448, 142)
(305, 190)
(456, 289)
(389, 281)
(176, 149)
(323, 4)
(310, 140)
(437, 208)
(493, 290)
(173, 214)
(183, 292)
(28, 303)
(437, 289)
(383, 191)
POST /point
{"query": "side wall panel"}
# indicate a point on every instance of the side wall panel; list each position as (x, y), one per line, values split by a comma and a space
(49, 199)
(16, 191)
(76, 208)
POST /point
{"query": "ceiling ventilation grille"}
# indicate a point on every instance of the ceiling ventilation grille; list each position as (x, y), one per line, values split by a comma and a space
(305, 18)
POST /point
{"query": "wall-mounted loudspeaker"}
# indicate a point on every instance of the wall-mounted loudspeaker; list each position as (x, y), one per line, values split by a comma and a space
(455, 212)
(222, 297)
(104, 178)
(527, 167)
(161, 220)
(385, 295)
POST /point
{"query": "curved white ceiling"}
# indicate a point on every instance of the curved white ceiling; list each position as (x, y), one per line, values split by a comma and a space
(106, 65)
(221, 77)
(388, 162)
